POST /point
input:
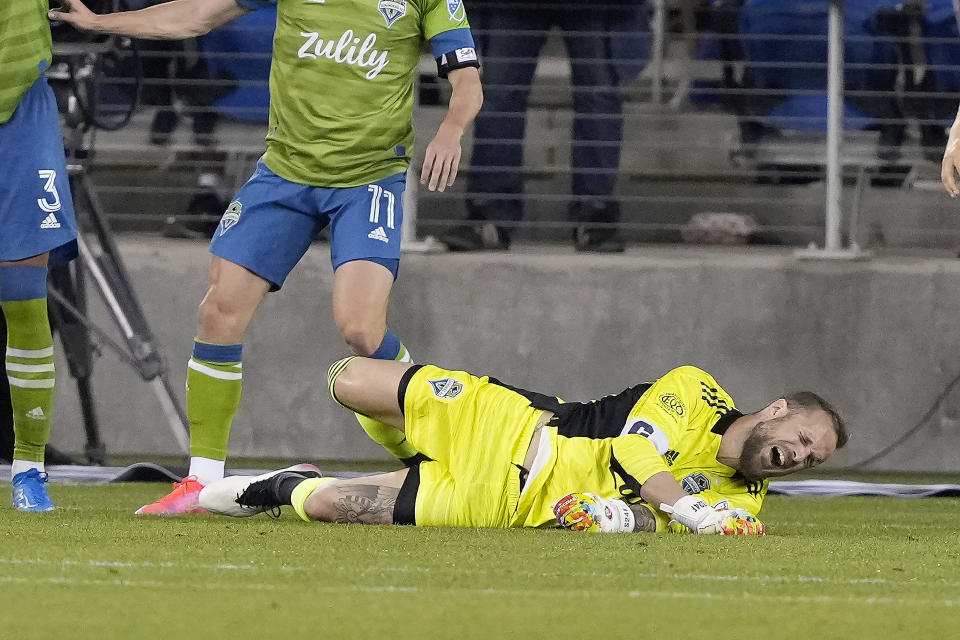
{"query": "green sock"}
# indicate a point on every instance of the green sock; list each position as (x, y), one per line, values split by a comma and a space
(303, 491)
(391, 439)
(214, 386)
(31, 374)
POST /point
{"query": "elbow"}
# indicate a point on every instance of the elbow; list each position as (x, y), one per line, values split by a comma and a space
(197, 29)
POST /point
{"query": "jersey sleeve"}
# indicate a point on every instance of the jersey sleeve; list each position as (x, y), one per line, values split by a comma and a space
(253, 5)
(658, 423)
(445, 25)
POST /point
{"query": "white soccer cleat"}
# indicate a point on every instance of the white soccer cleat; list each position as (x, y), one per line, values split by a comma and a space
(245, 496)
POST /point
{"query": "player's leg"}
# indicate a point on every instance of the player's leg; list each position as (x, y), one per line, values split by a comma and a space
(30, 371)
(214, 379)
(365, 251)
(515, 36)
(597, 130)
(255, 247)
(361, 291)
(369, 388)
(366, 500)
(37, 229)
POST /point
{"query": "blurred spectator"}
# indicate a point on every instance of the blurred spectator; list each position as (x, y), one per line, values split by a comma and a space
(179, 83)
(606, 43)
(177, 72)
(926, 36)
(783, 82)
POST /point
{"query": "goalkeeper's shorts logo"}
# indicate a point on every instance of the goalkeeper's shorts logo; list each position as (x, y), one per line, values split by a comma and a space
(446, 388)
(231, 216)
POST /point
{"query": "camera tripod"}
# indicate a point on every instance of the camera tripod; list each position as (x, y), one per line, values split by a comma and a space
(100, 259)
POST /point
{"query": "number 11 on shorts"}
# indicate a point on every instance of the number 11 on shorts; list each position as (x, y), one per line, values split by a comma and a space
(377, 193)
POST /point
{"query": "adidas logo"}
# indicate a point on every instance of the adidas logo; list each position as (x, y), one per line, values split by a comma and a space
(50, 222)
(36, 414)
(379, 234)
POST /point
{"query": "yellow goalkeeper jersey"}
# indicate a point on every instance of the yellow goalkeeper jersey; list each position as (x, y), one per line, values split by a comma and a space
(611, 446)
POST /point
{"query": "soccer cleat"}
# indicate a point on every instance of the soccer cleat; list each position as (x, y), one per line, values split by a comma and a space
(29, 494)
(185, 498)
(245, 496)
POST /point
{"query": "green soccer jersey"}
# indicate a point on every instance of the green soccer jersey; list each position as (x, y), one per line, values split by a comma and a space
(25, 49)
(342, 84)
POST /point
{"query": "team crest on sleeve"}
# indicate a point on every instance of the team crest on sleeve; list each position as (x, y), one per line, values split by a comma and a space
(651, 432)
(392, 10)
(446, 388)
(455, 7)
(695, 483)
(231, 216)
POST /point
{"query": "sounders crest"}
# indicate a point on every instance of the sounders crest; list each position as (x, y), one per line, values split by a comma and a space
(392, 10)
(447, 388)
(231, 216)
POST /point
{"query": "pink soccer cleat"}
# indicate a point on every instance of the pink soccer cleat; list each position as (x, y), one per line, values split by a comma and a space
(185, 498)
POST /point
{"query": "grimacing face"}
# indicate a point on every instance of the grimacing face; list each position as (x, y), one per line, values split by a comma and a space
(802, 439)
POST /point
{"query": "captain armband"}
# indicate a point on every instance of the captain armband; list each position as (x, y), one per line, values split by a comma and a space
(457, 59)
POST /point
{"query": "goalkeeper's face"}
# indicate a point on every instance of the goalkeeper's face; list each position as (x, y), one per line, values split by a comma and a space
(800, 439)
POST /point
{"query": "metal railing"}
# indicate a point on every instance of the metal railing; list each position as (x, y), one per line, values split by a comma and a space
(687, 146)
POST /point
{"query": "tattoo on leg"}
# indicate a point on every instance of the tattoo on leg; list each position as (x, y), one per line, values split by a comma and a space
(365, 504)
(645, 520)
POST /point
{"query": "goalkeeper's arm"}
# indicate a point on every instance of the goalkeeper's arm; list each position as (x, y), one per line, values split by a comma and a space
(589, 512)
(694, 512)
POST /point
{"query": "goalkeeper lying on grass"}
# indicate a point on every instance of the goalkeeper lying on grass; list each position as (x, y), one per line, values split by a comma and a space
(670, 455)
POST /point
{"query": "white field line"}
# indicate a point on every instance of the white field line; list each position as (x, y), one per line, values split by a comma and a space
(518, 594)
(80, 564)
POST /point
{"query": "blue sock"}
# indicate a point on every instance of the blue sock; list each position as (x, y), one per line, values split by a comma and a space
(391, 349)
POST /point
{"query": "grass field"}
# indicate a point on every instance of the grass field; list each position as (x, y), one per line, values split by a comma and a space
(829, 568)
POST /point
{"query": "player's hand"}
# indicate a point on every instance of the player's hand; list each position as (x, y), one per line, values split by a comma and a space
(698, 516)
(75, 13)
(442, 161)
(950, 166)
(732, 522)
(590, 512)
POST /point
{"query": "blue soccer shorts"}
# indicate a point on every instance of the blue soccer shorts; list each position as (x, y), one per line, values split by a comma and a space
(272, 221)
(36, 211)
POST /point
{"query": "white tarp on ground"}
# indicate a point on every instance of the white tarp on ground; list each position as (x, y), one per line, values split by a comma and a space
(840, 488)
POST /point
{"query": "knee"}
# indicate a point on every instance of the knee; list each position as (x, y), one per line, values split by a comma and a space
(220, 319)
(362, 337)
(340, 377)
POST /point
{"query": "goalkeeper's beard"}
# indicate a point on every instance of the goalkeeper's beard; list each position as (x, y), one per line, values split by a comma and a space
(751, 456)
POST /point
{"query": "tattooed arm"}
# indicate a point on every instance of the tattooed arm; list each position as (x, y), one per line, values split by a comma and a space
(645, 520)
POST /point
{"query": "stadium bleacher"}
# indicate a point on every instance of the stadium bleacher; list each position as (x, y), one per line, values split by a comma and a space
(738, 135)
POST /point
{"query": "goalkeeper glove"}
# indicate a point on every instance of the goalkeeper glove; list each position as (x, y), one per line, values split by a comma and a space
(698, 516)
(590, 512)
